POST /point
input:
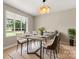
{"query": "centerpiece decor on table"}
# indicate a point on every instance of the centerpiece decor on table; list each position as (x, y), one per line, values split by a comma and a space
(41, 29)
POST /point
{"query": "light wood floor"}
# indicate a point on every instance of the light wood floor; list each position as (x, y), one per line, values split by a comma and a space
(66, 52)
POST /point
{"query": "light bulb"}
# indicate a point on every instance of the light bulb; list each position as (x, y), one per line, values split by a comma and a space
(44, 9)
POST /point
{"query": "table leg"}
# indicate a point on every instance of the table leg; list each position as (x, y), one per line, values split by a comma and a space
(27, 46)
(36, 50)
(40, 49)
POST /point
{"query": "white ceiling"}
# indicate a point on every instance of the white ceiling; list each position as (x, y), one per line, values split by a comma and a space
(32, 6)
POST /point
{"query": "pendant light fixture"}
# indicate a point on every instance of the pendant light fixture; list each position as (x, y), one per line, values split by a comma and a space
(44, 8)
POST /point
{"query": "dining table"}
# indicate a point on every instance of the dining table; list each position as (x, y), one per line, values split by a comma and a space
(39, 38)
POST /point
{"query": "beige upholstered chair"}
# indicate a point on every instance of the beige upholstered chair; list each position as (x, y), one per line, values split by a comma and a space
(52, 45)
(20, 40)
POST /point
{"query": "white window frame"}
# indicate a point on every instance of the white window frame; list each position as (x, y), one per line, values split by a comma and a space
(14, 18)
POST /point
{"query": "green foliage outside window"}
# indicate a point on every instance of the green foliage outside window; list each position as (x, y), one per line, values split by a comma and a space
(17, 26)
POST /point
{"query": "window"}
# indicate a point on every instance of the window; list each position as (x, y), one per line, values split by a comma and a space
(15, 24)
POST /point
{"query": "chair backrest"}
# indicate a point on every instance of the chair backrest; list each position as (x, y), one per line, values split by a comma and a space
(57, 41)
(54, 43)
(53, 34)
(59, 37)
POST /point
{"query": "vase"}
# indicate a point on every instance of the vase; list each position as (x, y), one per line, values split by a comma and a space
(41, 32)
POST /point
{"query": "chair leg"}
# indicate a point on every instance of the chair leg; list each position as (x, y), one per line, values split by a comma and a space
(58, 47)
(43, 53)
(17, 46)
(46, 51)
(21, 49)
(54, 54)
(56, 50)
(50, 54)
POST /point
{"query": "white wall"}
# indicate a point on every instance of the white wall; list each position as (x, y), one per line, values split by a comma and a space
(12, 40)
(57, 21)
(60, 21)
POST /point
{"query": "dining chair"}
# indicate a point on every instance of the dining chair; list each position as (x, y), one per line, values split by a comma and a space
(20, 40)
(49, 38)
(58, 42)
(52, 46)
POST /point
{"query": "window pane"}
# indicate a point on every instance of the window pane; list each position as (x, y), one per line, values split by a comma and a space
(17, 25)
(10, 27)
(24, 25)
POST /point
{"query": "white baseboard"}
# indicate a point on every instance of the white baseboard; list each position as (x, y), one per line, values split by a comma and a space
(9, 46)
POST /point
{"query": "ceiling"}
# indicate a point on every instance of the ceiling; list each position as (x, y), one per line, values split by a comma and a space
(32, 6)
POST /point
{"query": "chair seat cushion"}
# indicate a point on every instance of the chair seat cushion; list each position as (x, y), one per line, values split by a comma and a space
(22, 40)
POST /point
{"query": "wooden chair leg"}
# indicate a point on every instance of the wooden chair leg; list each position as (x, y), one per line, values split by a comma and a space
(46, 51)
(50, 54)
(58, 47)
(21, 49)
(43, 53)
(56, 50)
(17, 46)
(54, 54)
